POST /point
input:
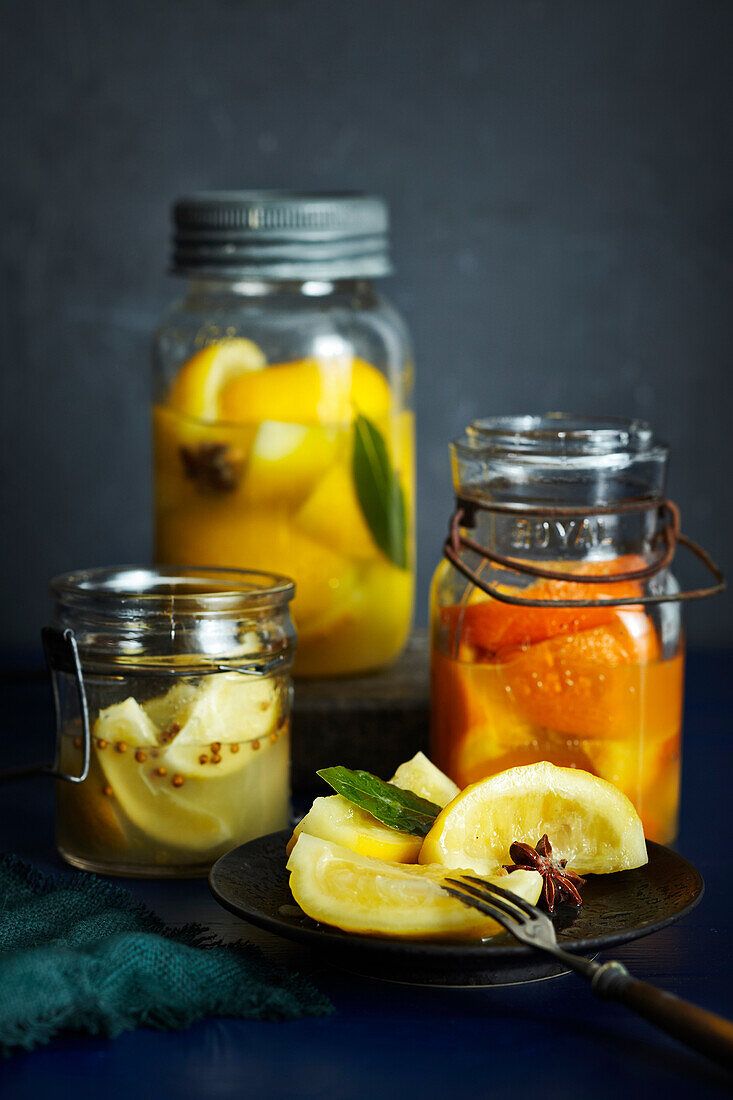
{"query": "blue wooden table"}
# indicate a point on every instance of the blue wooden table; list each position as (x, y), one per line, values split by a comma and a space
(546, 1039)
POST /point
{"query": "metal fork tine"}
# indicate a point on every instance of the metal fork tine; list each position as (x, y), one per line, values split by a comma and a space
(510, 911)
(525, 906)
(487, 908)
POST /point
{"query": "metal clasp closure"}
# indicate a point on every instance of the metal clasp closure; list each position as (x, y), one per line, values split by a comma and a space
(670, 536)
(62, 655)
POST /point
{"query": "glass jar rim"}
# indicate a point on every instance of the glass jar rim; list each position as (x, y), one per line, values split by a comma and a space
(159, 588)
(557, 435)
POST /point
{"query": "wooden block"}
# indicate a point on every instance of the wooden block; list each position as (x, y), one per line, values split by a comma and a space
(374, 721)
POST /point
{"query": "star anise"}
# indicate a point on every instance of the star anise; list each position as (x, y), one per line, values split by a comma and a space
(213, 467)
(558, 884)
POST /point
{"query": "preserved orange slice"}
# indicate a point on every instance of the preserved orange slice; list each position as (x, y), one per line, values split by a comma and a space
(586, 684)
(489, 625)
(479, 729)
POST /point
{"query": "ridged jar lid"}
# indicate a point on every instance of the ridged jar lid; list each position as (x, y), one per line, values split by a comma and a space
(281, 235)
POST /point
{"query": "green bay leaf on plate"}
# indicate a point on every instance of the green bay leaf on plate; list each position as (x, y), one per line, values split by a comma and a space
(404, 811)
(378, 489)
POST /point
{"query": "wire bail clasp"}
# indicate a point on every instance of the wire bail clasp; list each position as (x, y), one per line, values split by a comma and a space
(669, 535)
(62, 655)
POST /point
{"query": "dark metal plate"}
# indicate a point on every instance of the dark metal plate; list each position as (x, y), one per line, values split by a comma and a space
(252, 881)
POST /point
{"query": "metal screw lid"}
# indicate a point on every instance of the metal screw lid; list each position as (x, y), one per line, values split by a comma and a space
(281, 235)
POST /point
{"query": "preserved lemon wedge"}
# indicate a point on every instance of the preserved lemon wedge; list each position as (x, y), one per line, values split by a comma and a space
(421, 776)
(590, 823)
(174, 706)
(341, 527)
(308, 391)
(185, 768)
(286, 462)
(197, 389)
(337, 886)
(125, 723)
(335, 819)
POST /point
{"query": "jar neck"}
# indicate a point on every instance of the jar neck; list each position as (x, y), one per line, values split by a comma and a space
(555, 464)
(249, 287)
(548, 538)
(150, 616)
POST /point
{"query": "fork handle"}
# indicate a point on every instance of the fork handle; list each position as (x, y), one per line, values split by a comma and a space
(701, 1030)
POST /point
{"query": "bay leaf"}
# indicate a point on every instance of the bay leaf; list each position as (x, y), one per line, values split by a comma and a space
(398, 809)
(379, 492)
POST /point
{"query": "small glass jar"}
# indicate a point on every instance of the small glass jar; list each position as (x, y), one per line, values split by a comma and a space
(283, 429)
(597, 687)
(173, 699)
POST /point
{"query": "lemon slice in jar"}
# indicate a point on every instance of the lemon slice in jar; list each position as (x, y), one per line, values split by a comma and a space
(326, 391)
(332, 514)
(173, 707)
(198, 386)
(344, 528)
(124, 724)
(356, 893)
(170, 777)
(590, 823)
(287, 460)
(228, 710)
(127, 746)
(305, 411)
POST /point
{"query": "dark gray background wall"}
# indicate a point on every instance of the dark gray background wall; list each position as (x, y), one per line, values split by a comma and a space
(558, 173)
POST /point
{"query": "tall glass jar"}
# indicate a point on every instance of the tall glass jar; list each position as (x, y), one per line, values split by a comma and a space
(173, 698)
(283, 430)
(594, 687)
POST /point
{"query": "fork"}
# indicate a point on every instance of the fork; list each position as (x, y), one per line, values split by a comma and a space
(703, 1031)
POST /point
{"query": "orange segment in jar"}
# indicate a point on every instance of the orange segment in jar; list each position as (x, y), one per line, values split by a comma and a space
(479, 729)
(475, 717)
(490, 626)
(648, 772)
(308, 391)
(586, 684)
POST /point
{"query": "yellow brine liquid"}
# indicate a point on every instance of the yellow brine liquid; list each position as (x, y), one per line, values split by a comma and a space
(305, 469)
(178, 779)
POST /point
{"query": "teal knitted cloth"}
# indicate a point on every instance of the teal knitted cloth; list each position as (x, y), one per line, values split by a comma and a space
(78, 953)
